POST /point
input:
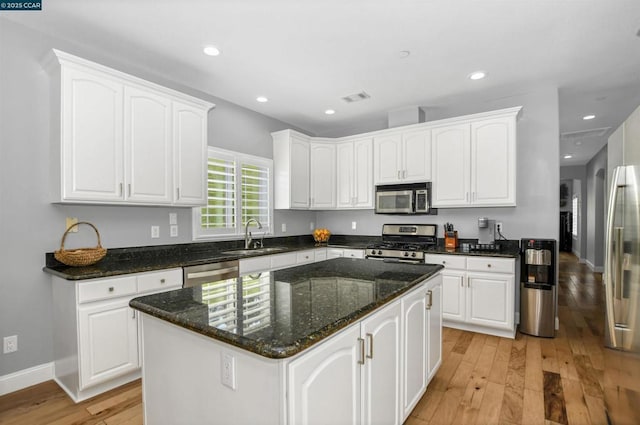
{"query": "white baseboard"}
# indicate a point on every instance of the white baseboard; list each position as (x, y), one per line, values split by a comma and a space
(594, 268)
(25, 378)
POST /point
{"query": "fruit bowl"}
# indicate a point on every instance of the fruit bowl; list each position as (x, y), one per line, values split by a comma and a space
(321, 236)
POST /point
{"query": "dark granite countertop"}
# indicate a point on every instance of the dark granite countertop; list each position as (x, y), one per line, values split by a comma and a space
(507, 249)
(286, 311)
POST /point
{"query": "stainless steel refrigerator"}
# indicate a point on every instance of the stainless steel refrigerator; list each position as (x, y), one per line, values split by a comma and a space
(622, 292)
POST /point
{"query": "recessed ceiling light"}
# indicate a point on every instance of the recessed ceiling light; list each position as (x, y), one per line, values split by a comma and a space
(329, 112)
(578, 143)
(588, 117)
(262, 99)
(211, 51)
(568, 156)
(478, 75)
(404, 54)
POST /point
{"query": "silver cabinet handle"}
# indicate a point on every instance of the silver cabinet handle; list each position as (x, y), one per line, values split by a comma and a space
(361, 342)
(489, 265)
(162, 280)
(404, 174)
(129, 189)
(370, 338)
(177, 193)
(111, 288)
(133, 314)
(466, 196)
(430, 303)
(121, 189)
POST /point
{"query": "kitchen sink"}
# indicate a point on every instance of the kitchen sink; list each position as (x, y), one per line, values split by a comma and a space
(266, 250)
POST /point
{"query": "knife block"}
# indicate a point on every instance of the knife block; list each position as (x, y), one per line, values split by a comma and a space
(451, 239)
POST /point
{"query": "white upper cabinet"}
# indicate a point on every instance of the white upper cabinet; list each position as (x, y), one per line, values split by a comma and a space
(147, 139)
(493, 162)
(91, 131)
(402, 157)
(355, 174)
(474, 163)
(323, 175)
(117, 139)
(190, 154)
(291, 170)
(451, 165)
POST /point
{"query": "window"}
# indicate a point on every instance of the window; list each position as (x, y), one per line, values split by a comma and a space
(239, 188)
(576, 211)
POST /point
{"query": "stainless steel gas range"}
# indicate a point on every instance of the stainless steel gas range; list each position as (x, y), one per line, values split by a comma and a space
(404, 242)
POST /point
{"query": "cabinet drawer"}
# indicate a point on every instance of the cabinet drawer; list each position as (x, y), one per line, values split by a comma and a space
(320, 254)
(490, 264)
(281, 261)
(158, 281)
(257, 264)
(106, 289)
(305, 257)
(354, 253)
(448, 261)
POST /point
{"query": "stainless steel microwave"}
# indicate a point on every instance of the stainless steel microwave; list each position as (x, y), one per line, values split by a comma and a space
(404, 199)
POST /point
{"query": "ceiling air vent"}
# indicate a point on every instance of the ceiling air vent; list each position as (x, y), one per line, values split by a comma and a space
(356, 97)
(585, 134)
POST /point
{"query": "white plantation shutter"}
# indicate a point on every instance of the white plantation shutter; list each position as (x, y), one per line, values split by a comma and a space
(239, 187)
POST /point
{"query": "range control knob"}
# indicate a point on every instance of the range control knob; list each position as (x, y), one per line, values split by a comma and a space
(373, 252)
(379, 252)
(406, 254)
(413, 254)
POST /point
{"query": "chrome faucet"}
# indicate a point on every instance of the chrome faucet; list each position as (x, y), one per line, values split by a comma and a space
(247, 233)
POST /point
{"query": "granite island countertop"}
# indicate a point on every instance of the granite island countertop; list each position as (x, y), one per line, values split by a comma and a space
(284, 312)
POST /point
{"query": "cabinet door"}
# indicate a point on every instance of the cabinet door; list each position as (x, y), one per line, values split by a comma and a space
(434, 326)
(382, 367)
(387, 151)
(323, 175)
(92, 148)
(190, 154)
(148, 147)
(451, 165)
(299, 176)
(453, 295)
(490, 299)
(415, 349)
(363, 173)
(345, 158)
(108, 335)
(493, 162)
(417, 156)
(324, 384)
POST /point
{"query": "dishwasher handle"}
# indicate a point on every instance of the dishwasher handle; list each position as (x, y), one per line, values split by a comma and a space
(205, 273)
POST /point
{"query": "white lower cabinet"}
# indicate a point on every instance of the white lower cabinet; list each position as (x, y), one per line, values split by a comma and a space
(354, 378)
(374, 372)
(96, 338)
(478, 293)
(108, 340)
(344, 252)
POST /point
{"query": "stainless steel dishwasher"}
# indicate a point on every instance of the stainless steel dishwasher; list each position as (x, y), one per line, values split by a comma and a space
(211, 272)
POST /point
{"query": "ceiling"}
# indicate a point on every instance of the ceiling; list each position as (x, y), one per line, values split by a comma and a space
(305, 55)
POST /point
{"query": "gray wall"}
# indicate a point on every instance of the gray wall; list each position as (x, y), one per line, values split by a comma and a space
(537, 211)
(578, 173)
(31, 226)
(614, 153)
(596, 203)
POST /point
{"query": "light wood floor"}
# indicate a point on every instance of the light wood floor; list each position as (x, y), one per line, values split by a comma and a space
(483, 379)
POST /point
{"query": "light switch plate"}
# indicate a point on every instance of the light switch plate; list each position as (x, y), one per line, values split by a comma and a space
(173, 230)
(173, 218)
(155, 232)
(284, 227)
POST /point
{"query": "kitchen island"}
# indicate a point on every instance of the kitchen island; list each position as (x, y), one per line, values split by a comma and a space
(293, 346)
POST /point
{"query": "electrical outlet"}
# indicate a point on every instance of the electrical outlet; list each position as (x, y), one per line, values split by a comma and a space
(229, 371)
(284, 227)
(312, 225)
(70, 222)
(10, 344)
(353, 225)
(155, 232)
(173, 230)
(499, 227)
(173, 218)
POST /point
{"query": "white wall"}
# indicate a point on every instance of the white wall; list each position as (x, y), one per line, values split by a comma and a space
(537, 212)
(31, 226)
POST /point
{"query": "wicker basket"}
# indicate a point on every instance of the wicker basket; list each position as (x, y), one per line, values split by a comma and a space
(81, 256)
